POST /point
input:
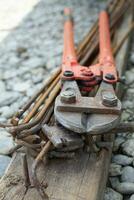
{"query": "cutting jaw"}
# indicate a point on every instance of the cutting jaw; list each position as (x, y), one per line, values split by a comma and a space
(87, 123)
(88, 115)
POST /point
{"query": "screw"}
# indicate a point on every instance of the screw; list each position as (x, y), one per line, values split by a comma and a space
(110, 76)
(68, 73)
(109, 99)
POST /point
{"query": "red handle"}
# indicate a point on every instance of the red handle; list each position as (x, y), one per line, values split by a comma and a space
(106, 59)
(105, 42)
(69, 54)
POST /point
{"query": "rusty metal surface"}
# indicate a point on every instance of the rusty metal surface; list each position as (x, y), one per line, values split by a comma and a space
(63, 138)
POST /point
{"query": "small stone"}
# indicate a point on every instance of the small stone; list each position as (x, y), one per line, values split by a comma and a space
(34, 90)
(126, 197)
(21, 50)
(130, 135)
(10, 74)
(4, 162)
(37, 79)
(22, 86)
(6, 142)
(126, 188)
(13, 60)
(18, 104)
(132, 58)
(8, 98)
(27, 76)
(123, 188)
(131, 118)
(111, 194)
(117, 143)
(115, 170)
(3, 119)
(50, 64)
(33, 62)
(53, 63)
(2, 86)
(127, 174)
(25, 56)
(125, 116)
(128, 147)
(129, 94)
(129, 77)
(7, 111)
(127, 104)
(132, 197)
(122, 159)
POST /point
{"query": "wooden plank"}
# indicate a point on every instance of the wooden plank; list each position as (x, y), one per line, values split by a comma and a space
(11, 185)
(71, 179)
(81, 178)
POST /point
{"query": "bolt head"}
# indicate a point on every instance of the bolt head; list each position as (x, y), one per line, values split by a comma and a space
(68, 73)
(109, 99)
(110, 76)
(68, 96)
(68, 93)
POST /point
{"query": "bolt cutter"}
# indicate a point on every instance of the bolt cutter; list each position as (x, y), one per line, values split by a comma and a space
(77, 113)
(84, 114)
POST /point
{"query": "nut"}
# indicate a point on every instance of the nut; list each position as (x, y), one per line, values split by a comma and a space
(68, 96)
(68, 73)
(110, 76)
(109, 99)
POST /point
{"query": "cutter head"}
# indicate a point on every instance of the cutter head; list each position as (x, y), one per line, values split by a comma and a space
(80, 119)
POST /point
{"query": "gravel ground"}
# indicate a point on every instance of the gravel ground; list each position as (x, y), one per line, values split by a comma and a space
(31, 52)
(121, 173)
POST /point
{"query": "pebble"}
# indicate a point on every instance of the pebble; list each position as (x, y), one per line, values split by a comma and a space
(51, 64)
(125, 116)
(4, 162)
(132, 197)
(22, 86)
(127, 174)
(132, 58)
(115, 170)
(33, 62)
(111, 194)
(10, 74)
(2, 86)
(21, 50)
(129, 95)
(122, 159)
(122, 187)
(127, 104)
(129, 77)
(2, 119)
(8, 98)
(117, 143)
(19, 103)
(6, 142)
(128, 147)
(7, 111)
(37, 79)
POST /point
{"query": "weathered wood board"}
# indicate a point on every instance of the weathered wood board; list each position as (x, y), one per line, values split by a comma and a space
(82, 178)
